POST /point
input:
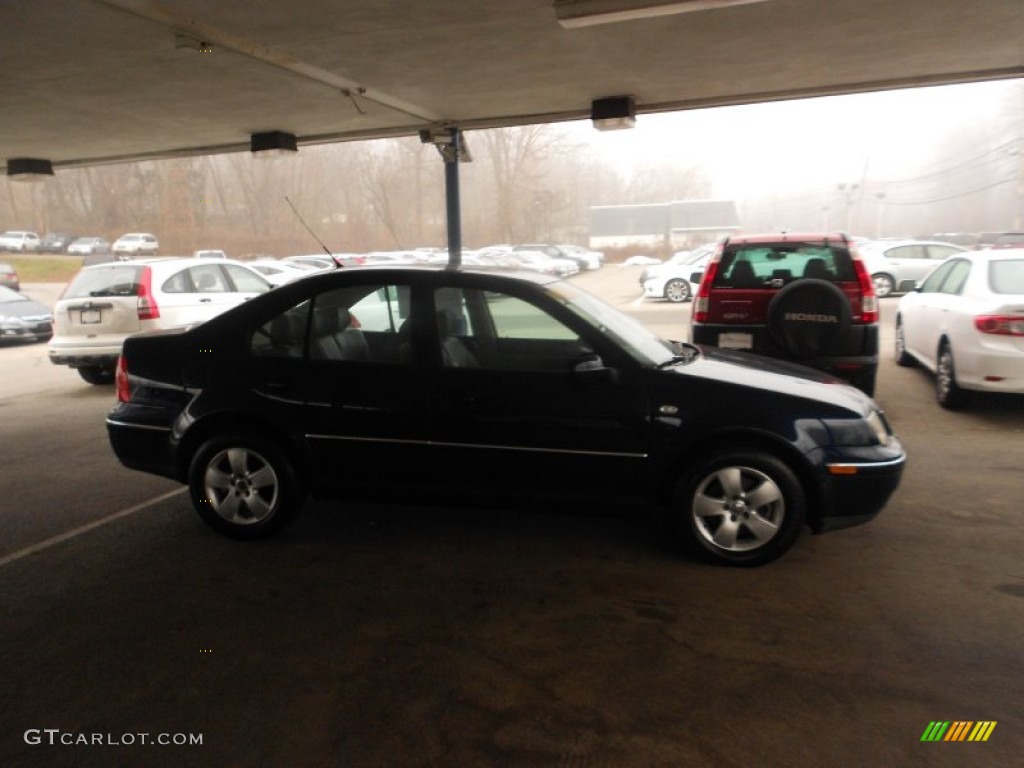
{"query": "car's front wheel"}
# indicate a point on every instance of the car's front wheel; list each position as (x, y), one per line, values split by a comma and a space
(96, 374)
(903, 358)
(244, 487)
(742, 508)
(677, 290)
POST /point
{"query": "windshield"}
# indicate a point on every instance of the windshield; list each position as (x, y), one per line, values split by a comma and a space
(632, 335)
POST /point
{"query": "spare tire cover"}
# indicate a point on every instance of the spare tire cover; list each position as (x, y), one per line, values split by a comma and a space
(807, 315)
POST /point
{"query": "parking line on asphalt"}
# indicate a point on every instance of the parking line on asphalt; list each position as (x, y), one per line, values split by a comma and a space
(74, 532)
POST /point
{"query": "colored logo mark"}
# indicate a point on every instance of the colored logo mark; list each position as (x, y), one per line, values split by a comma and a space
(958, 730)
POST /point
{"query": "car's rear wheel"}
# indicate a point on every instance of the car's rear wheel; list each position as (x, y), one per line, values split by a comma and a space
(947, 391)
(677, 290)
(96, 374)
(244, 487)
(741, 508)
(903, 357)
(884, 284)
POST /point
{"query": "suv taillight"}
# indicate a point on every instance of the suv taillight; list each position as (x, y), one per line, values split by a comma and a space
(868, 299)
(703, 301)
(148, 309)
(121, 385)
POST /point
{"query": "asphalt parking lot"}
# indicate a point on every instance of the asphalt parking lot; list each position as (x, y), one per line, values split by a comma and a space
(377, 635)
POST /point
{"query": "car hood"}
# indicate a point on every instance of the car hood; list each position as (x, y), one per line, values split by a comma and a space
(778, 376)
(26, 308)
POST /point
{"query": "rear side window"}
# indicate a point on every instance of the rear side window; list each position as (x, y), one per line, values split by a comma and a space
(774, 265)
(1007, 276)
(115, 280)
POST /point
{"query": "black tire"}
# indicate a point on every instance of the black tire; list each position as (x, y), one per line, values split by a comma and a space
(884, 284)
(244, 487)
(677, 290)
(96, 374)
(716, 517)
(903, 358)
(947, 391)
(807, 316)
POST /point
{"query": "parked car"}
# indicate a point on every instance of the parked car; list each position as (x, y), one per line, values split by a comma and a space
(22, 319)
(210, 254)
(56, 242)
(89, 246)
(582, 259)
(278, 272)
(103, 304)
(486, 386)
(965, 324)
(672, 280)
(19, 240)
(1009, 240)
(807, 298)
(9, 277)
(323, 261)
(897, 265)
(136, 244)
(595, 259)
(537, 261)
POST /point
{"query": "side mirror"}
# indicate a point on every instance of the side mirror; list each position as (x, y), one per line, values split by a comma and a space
(696, 277)
(592, 367)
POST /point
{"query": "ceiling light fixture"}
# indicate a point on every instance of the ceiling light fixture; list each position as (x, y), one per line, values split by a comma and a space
(28, 169)
(613, 113)
(272, 144)
(588, 13)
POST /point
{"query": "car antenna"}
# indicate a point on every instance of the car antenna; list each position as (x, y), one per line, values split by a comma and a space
(337, 262)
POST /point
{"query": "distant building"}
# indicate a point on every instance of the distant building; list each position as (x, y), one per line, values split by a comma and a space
(679, 224)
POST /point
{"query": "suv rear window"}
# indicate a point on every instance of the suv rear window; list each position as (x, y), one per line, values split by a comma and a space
(772, 265)
(115, 280)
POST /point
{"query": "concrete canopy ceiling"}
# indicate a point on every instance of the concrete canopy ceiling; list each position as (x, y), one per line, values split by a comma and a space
(99, 81)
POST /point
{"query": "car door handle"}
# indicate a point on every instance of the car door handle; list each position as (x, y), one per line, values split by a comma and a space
(205, 301)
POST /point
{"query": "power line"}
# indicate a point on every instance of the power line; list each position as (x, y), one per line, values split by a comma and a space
(1010, 180)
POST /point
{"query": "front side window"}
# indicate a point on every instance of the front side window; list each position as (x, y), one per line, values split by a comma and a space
(936, 278)
(954, 282)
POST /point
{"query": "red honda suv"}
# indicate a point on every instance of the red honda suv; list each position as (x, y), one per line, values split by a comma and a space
(807, 298)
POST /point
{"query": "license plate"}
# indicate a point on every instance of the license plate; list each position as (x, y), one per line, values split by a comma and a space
(736, 340)
(91, 316)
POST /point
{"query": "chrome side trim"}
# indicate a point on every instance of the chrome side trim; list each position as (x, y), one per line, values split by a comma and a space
(150, 427)
(439, 444)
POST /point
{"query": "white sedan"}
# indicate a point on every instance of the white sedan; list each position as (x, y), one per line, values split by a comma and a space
(965, 323)
(671, 280)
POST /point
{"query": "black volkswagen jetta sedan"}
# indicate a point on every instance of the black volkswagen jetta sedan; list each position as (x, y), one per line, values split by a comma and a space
(457, 383)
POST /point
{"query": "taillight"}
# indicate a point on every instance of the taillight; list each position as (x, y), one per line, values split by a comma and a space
(703, 301)
(148, 309)
(1000, 325)
(868, 300)
(121, 386)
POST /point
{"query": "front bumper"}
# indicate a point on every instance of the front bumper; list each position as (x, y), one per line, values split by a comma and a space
(855, 488)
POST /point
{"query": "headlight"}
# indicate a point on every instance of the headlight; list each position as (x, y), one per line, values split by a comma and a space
(880, 427)
(869, 430)
(11, 322)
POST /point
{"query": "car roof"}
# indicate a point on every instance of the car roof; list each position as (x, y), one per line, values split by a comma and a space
(785, 237)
